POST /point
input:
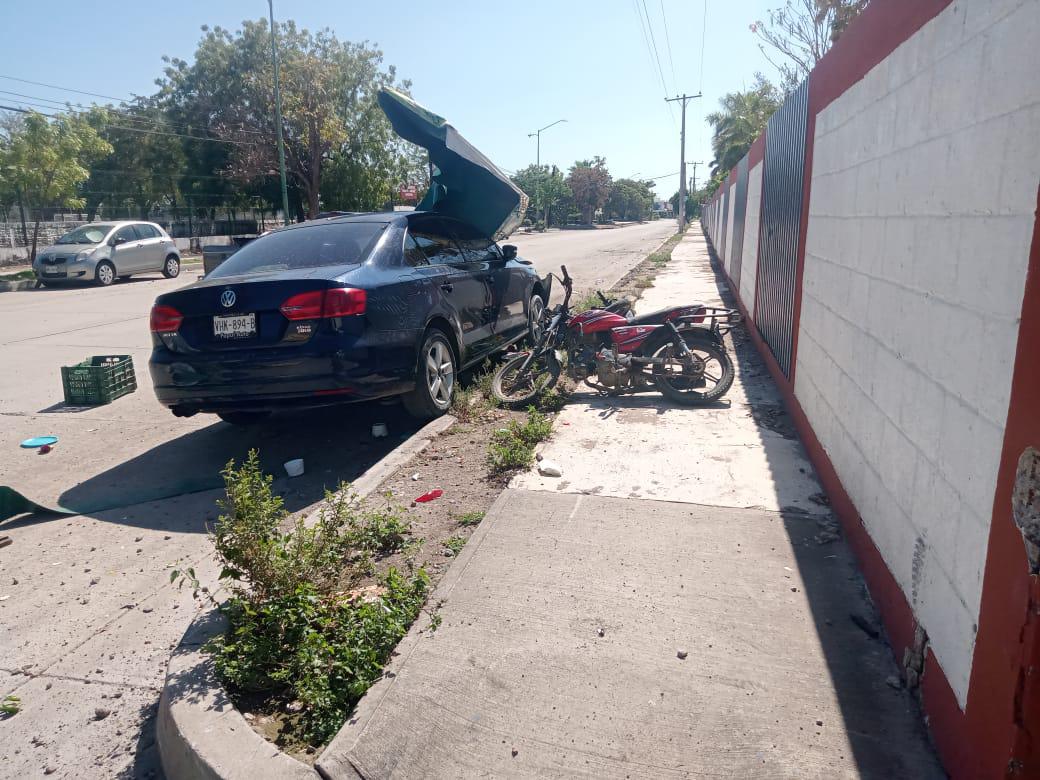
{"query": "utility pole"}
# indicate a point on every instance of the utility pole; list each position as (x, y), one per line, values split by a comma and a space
(693, 179)
(278, 117)
(682, 156)
(538, 159)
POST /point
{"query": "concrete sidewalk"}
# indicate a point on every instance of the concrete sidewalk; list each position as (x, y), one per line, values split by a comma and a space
(679, 604)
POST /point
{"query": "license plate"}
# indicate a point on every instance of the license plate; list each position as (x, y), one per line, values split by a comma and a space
(238, 326)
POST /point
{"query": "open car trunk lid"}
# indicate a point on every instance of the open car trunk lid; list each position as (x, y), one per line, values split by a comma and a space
(466, 184)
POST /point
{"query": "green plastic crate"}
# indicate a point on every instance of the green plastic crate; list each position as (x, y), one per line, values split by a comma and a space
(98, 380)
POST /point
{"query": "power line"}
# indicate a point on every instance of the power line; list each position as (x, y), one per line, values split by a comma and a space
(138, 129)
(63, 89)
(657, 57)
(35, 100)
(668, 40)
(646, 43)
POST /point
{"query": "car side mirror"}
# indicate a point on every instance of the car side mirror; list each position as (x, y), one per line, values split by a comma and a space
(509, 251)
(116, 241)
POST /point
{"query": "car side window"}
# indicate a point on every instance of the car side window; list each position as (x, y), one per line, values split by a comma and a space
(414, 254)
(476, 247)
(147, 231)
(437, 247)
(126, 233)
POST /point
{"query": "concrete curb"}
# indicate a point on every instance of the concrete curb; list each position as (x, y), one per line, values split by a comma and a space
(337, 760)
(199, 732)
(22, 284)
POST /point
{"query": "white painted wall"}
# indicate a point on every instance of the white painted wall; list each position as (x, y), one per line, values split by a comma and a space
(924, 188)
(749, 256)
(729, 228)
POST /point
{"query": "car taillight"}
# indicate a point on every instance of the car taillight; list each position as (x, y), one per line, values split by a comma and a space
(344, 302)
(165, 319)
(319, 304)
(305, 306)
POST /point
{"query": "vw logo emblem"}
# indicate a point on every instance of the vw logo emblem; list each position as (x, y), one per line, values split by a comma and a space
(227, 299)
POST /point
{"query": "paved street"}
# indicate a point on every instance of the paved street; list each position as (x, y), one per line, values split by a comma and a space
(594, 258)
(676, 605)
(87, 615)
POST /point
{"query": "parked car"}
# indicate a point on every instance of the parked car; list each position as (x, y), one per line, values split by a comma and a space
(102, 252)
(343, 309)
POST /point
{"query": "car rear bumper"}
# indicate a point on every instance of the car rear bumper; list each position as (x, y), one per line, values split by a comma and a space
(270, 379)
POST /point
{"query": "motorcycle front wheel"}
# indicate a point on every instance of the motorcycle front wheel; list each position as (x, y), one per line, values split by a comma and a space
(515, 386)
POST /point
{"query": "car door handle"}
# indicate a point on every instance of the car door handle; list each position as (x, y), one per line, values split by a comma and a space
(447, 287)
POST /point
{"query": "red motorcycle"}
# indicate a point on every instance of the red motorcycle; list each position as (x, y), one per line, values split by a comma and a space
(678, 351)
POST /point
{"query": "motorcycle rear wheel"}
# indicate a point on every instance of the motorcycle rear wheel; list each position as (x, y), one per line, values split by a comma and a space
(515, 389)
(684, 385)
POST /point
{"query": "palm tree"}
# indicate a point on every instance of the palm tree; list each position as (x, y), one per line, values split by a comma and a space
(742, 119)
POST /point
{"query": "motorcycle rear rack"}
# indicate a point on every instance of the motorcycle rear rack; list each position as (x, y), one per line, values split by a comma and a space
(713, 318)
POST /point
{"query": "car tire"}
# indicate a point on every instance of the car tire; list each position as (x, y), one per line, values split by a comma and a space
(104, 274)
(435, 372)
(535, 312)
(243, 418)
(171, 267)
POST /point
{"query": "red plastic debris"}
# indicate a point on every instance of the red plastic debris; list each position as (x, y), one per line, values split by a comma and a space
(45, 449)
(437, 493)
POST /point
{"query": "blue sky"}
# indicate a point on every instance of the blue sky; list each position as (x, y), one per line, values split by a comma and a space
(496, 70)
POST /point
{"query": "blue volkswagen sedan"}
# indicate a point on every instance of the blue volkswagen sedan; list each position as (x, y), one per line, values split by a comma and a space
(358, 306)
(344, 309)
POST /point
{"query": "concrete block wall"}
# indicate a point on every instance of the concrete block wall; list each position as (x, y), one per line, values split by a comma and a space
(730, 227)
(915, 380)
(915, 265)
(749, 258)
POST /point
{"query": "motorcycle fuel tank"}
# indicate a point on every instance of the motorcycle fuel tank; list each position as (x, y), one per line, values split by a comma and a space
(596, 321)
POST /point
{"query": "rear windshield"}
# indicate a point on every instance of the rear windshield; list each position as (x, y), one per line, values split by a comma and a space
(313, 246)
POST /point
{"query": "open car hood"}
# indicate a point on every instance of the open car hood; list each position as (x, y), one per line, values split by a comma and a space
(466, 184)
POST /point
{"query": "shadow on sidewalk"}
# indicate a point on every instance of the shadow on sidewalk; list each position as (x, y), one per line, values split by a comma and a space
(883, 720)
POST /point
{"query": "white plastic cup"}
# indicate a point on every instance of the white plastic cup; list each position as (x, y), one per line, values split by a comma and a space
(294, 468)
(380, 431)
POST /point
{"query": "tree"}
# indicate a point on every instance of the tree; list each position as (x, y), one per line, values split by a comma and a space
(545, 186)
(801, 33)
(146, 163)
(630, 199)
(742, 119)
(589, 182)
(329, 104)
(45, 161)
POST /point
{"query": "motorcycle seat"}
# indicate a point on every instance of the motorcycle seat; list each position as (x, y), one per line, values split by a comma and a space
(657, 317)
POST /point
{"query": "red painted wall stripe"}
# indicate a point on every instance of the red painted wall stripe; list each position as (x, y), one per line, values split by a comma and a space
(1003, 706)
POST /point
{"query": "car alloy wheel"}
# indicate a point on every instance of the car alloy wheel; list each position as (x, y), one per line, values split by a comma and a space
(106, 274)
(172, 267)
(536, 312)
(440, 373)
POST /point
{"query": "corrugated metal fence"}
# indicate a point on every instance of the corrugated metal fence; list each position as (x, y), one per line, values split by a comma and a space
(782, 179)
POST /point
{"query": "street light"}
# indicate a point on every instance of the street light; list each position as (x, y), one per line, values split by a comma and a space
(538, 135)
(278, 117)
(538, 161)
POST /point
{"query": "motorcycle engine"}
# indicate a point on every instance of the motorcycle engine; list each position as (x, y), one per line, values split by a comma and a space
(609, 371)
(580, 363)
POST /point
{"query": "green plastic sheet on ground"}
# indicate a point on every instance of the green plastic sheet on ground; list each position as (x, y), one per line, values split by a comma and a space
(13, 503)
(466, 184)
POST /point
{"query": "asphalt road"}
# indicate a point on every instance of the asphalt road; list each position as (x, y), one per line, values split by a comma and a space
(595, 259)
(87, 613)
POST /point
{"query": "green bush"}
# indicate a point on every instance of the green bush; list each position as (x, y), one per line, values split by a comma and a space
(291, 629)
(512, 447)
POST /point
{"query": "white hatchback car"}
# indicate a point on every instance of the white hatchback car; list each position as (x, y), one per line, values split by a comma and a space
(102, 252)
